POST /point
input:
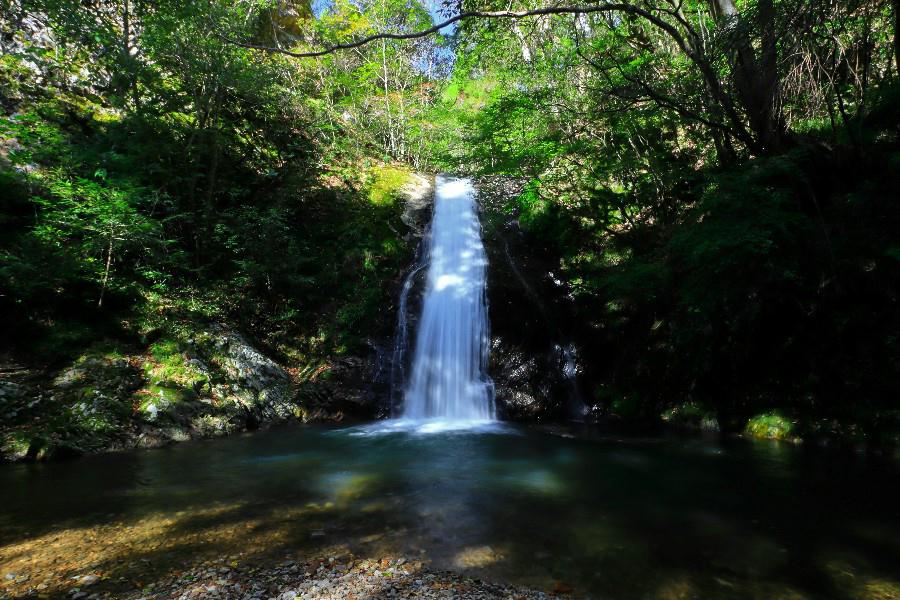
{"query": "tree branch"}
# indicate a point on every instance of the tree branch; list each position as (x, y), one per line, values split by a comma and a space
(684, 44)
(476, 14)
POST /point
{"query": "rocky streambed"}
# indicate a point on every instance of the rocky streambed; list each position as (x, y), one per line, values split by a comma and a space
(589, 514)
(337, 577)
(330, 578)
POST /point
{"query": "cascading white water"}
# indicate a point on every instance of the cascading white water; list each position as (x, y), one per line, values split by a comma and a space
(448, 376)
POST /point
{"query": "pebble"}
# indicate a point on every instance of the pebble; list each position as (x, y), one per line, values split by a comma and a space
(327, 578)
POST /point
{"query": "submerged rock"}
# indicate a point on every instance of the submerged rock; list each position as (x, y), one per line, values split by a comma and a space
(12, 391)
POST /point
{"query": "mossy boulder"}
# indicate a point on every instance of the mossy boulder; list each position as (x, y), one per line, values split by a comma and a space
(691, 416)
(771, 426)
(82, 408)
(249, 378)
(387, 184)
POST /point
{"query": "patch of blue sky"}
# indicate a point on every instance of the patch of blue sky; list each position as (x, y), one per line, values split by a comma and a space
(444, 54)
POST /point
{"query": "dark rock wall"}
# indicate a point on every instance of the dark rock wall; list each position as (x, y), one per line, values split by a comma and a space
(533, 363)
(370, 385)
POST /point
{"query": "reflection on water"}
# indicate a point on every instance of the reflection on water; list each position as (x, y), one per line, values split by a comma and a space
(430, 426)
(612, 517)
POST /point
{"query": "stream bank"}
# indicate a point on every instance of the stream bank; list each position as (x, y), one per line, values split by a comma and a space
(189, 376)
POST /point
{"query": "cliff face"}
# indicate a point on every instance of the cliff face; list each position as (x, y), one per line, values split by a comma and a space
(533, 362)
(370, 385)
(533, 366)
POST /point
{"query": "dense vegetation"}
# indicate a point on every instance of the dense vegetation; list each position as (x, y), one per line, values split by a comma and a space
(714, 183)
(151, 162)
(158, 179)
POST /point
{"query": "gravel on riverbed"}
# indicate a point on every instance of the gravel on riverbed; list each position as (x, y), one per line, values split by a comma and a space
(328, 578)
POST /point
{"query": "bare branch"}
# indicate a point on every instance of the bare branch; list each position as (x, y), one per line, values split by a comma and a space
(477, 14)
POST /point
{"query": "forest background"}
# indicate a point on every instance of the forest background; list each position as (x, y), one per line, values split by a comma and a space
(713, 184)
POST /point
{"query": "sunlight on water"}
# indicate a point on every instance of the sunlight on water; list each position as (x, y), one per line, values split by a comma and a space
(346, 485)
(429, 426)
(541, 481)
(612, 516)
(480, 556)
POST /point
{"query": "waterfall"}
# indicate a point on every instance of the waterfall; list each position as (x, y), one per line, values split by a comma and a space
(448, 379)
(401, 340)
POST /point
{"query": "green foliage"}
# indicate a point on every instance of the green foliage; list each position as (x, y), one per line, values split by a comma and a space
(628, 407)
(691, 415)
(161, 176)
(723, 261)
(771, 426)
(721, 255)
(169, 365)
(386, 185)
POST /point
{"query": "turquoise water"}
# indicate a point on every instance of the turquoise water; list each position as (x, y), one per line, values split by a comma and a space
(610, 516)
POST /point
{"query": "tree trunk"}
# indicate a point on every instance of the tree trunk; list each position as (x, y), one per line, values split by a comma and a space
(771, 116)
(756, 80)
(202, 120)
(127, 63)
(897, 35)
(387, 100)
(215, 150)
(401, 126)
(109, 253)
(526, 51)
(126, 30)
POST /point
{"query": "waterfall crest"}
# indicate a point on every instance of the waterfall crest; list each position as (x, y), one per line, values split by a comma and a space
(449, 378)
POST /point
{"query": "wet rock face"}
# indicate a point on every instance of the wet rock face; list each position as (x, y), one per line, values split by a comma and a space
(264, 387)
(520, 388)
(527, 361)
(534, 377)
(368, 385)
(349, 389)
(419, 202)
(394, 355)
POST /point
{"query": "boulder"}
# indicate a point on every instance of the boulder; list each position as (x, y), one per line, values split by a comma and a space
(257, 382)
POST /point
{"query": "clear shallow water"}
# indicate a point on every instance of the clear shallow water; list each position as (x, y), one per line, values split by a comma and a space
(610, 516)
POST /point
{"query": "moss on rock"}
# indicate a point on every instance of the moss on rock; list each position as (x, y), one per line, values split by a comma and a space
(771, 426)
